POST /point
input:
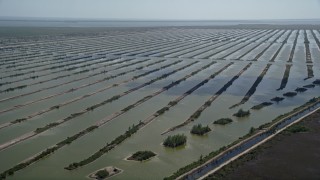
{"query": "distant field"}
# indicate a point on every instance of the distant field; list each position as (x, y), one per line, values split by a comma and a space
(75, 100)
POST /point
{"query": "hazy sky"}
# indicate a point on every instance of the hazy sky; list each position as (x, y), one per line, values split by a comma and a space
(163, 9)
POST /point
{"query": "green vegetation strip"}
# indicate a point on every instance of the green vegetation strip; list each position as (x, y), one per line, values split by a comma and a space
(87, 110)
(63, 76)
(208, 103)
(87, 85)
(280, 48)
(69, 140)
(85, 59)
(316, 38)
(307, 48)
(310, 72)
(240, 42)
(285, 77)
(247, 44)
(265, 49)
(253, 88)
(142, 124)
(257, 45)
(75, 80)
(55, 107)
(293, 47)
(229, 42)
(109, 59)
(182, 172)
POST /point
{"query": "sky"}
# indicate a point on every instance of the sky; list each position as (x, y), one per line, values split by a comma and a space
(163, 9)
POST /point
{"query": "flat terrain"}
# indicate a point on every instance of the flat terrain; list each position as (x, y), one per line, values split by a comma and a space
(287, 156)
(75, 100)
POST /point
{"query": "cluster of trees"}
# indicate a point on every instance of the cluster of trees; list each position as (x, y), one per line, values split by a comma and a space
(142, 155)
(200, 130)
(101, 174)
(300, 90)
(175, 140)
(242, 113)
(309, 86)
(290, 94)
(277, 99)
(316, 82)
(223, 121)
(262, 105)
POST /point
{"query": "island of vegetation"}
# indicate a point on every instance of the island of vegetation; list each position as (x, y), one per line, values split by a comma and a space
(101, 174)
(200, 130)
(316, 82)
(105, 173)
(142, 156)
(252, 131)
(262, 105)
(301, 90)
(290, 94)
(277, 99)
(242, 113)
(175, 141)
(223, 121)
(309, 86)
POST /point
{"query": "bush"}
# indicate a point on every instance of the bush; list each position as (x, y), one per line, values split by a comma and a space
(223, 121)
(175, 141)
(199, 130)
(242, 113)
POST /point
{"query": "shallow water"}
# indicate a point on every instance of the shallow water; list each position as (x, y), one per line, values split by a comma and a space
(186, 44)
